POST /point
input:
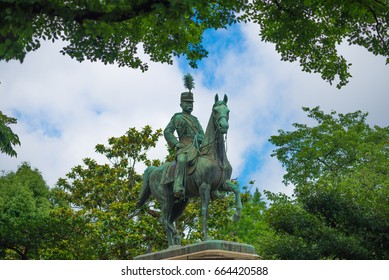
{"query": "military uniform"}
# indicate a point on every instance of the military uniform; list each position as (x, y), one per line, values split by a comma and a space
(187, 127)
(189, 133)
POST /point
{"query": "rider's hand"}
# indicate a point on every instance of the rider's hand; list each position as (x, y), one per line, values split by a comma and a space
(179, 146)
(199, 139)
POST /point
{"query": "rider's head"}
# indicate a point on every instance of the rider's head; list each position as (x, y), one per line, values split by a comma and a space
(187, 102)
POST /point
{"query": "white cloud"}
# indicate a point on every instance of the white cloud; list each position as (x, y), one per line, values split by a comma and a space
(86, 103)
(289, 89)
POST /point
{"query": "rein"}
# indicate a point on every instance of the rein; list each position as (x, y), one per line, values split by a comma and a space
(195, 140)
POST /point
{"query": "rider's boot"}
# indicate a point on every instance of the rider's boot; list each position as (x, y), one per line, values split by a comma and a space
(178, 187)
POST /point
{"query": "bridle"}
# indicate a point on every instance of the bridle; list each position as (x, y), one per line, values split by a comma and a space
(218, 128)
(217, 121)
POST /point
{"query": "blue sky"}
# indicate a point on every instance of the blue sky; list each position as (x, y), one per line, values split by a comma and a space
(218, 43)
(64, 108)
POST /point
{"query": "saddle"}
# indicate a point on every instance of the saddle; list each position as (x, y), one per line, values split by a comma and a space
(170, 167)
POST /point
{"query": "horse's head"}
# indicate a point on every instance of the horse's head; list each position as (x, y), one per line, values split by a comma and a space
(220, 113)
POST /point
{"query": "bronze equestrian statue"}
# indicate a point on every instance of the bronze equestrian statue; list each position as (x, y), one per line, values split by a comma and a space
(207, 171)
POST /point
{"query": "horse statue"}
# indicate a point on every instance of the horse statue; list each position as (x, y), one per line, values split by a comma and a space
(210, 172)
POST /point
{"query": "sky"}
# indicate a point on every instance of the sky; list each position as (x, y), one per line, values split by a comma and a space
(64, 108)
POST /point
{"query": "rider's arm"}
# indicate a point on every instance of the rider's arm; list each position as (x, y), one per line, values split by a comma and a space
(200, 132)
(168, 133)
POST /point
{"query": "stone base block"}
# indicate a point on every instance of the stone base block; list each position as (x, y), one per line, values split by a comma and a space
(207, 250)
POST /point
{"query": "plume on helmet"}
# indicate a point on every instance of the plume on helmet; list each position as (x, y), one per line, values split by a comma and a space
(189, 82)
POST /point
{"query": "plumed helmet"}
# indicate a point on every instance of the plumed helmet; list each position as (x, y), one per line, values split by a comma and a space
(189, 84)
(187, 96)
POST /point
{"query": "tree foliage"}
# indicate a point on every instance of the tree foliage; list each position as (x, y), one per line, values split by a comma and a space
(24, 213)
(100, 199)
(336, 146)
(113, 31)
(340, 169)
(252, 227)
(310, 31)
(8, 138)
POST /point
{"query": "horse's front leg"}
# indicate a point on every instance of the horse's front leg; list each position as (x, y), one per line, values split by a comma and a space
(230, 186)
(205, 197)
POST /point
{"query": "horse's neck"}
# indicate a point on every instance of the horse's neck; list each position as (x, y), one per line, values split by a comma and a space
(214, 142)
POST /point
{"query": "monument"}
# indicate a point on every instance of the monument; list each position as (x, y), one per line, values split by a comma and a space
(201, 169)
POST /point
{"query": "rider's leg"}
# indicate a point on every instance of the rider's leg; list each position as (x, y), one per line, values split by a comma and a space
(179, 174)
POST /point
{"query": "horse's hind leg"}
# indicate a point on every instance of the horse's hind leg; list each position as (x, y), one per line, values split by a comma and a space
(178, 208)
(165, 220)
(166, 201)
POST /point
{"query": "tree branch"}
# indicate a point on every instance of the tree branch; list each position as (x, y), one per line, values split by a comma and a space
(378, 23)
(80, 14)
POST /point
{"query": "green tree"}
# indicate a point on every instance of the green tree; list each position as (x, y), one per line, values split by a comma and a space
(99, 201)
(309, 31)
(251, 228)
(220, 215)
(24, 212)
(113, 30)
(340, 209)
(7, 137)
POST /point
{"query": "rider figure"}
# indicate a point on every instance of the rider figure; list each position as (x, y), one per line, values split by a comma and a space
(189, 133)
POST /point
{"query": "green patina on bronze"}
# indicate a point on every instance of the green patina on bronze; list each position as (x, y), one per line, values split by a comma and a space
(201, 167)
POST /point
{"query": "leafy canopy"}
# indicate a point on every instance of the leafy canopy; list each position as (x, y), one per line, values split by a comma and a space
(8, 138)
(113, 31)
(24, 213)
(338, 145)
(309, 31)
(102, 198)
(340, 169)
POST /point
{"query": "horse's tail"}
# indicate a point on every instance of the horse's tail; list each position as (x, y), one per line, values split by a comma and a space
(145, 192)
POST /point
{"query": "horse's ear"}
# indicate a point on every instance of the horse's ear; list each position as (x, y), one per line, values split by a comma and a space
(225, 99)
(216, 97)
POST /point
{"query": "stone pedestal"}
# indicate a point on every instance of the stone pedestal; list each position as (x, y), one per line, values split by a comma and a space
(207, 250)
